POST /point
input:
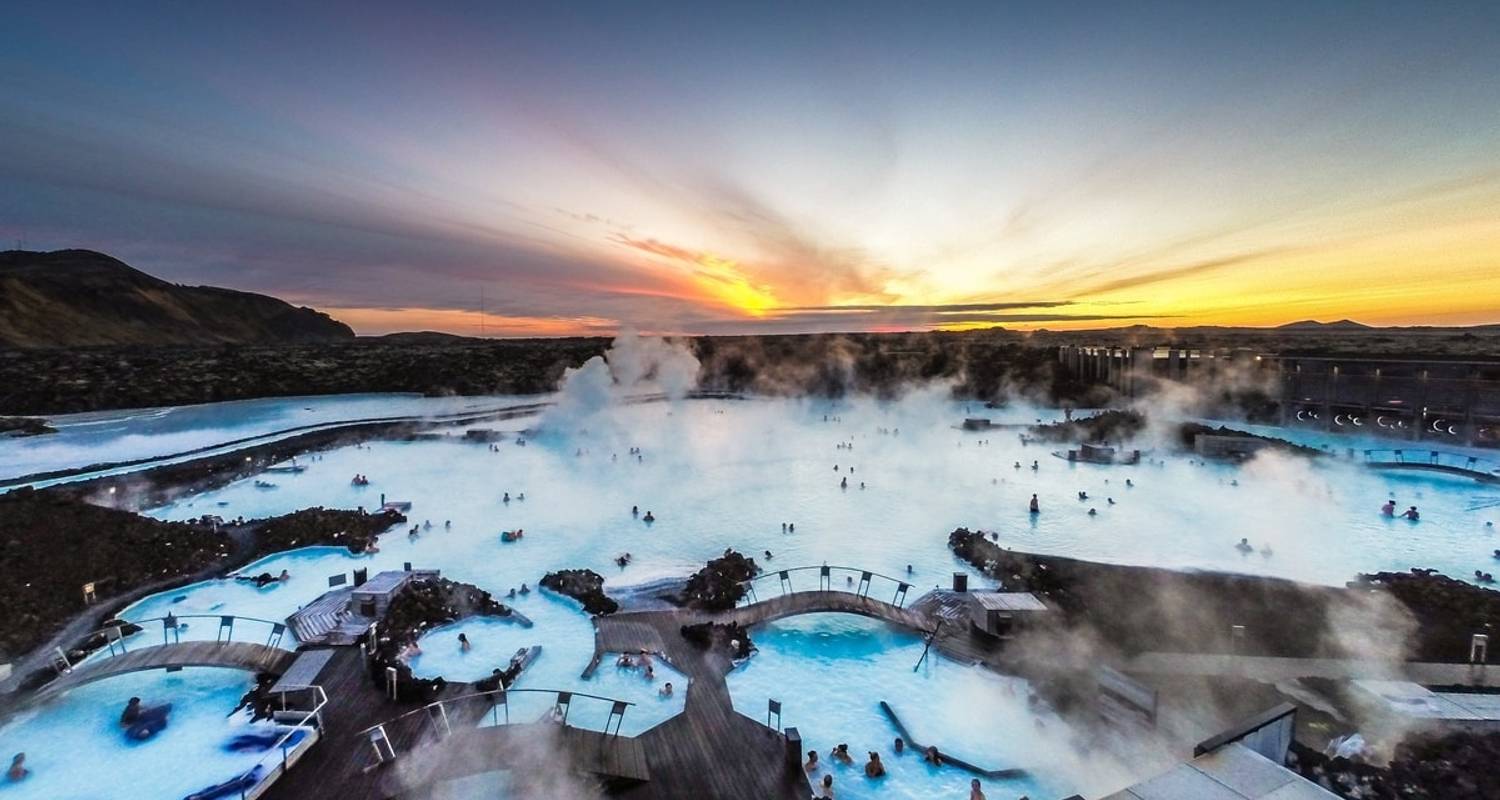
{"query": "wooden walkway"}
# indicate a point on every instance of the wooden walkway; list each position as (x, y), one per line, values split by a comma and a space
(231, 655)
(709, 750)
(616, 761)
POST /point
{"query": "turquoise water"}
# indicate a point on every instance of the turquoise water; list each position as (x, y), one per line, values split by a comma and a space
(132, 434)
(830, 672)
(76, 750)
(567, 639)
(728, 474)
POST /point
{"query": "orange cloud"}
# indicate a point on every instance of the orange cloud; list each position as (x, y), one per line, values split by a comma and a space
(378, 321)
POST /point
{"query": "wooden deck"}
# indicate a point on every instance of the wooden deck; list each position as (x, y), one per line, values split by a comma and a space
(710, 750)
(232, 655)
(615, 761)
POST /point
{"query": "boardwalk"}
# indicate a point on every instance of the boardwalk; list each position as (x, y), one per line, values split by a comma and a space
(233, 655)
(709, 750)
(616, 761)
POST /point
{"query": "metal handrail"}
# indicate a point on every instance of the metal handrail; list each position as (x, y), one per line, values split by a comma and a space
(825, 582)
(1426, 456)
(491, 693)
(114, 635)
(281, 744)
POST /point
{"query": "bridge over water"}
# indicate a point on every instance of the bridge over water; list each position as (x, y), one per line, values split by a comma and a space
(1486, 470)
(245, 643)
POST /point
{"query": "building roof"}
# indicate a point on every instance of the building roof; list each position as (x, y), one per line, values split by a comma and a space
(1232, 772)
(1008, 601)
(1413, 700)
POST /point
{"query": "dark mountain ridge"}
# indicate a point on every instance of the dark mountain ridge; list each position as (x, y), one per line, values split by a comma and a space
(80, 298)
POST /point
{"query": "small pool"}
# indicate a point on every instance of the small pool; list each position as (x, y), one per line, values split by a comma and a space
(830, 672)
(567, 637)
(76, 750)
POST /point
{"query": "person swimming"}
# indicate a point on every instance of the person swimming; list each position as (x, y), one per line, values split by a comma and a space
(1036, 507)
(812, 761)
(932, 756)
(1389, 509)
(264, 579)
(900, 745)
(666, 690)
(873, 767)
(1093, 512)
(1411, 514)
(463, 643)
(525, 589)
(1244, 546)
(635, 511)
(649, 517)
(1083, 495)
(841, 754)
(826, 792)
(18, 770)
(976, 792)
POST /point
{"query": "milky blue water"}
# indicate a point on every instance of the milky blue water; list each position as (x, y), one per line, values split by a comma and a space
(76, 749)
(128, 435)
(728, 474)
(830, 672)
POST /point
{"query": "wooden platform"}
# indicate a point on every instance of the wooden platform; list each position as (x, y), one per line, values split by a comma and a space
(614, 760)
(303, 671)
(232, 655)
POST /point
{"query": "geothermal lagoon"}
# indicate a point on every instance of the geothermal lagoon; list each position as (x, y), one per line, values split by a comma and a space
(864, 484)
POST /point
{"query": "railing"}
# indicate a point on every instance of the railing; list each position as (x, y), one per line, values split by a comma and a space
(436, 714)
(116, 639)
(252, 785)
(859, 587)
(1425, 457)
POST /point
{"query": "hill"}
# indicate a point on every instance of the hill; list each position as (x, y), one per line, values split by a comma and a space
(1314, 325)
(74, 298)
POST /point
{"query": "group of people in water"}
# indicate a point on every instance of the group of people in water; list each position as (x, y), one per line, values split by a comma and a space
(874, 767)
(359, 480)
(1389, 510)
(642, 660)
(635, 511)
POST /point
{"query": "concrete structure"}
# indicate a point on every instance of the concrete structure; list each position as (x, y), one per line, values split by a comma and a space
(1211, 445)
(999, 614)
(1421, 400)
(1405, 705)
(1243, 763)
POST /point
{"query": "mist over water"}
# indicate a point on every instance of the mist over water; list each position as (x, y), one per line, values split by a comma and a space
(870, 484)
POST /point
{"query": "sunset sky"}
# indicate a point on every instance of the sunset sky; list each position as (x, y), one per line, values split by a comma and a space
(755, 167)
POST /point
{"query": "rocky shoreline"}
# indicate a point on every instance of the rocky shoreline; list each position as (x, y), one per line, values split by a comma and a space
(1139, 609)
(720, 585)
(126, 554)
(421, 605)
(584, 585)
